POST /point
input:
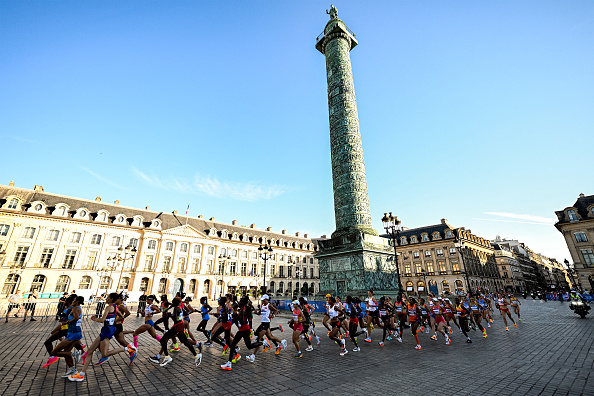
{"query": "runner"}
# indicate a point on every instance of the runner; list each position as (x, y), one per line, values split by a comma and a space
(450, 314)
(266, 312)
(73, 336)
(102, 341)
(354, 313)
(372, 314)
(326, 316)
(122, 313)
(503, 308)
(463, 318)
(413, 319)
(297, 323)
(204, 310)
(30, 305)
(335, 324)
(165, 305)
(223, 325)
(307, 309)
(177, 330)
(386, 314)
(515, 303)
(439, 321)
(477, 313)
(13, 302)
(242, 320)
(400, 308)
(150, 310)
(60, 332)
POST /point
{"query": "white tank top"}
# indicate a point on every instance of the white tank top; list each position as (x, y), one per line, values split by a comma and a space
(148, 310)
(332, 313)
(371, 306)
(265, 313)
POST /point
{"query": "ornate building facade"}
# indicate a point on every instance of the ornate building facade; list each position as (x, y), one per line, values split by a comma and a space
(443, 259)
(55, 243)
(576, 223)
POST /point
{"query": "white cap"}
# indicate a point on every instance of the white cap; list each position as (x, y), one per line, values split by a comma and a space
(264, 297)
(296, 302)
(305, 298)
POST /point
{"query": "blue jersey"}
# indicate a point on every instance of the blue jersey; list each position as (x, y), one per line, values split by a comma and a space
(204, 312)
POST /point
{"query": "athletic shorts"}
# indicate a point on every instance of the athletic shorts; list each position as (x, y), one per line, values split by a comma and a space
(503, 309)
(335, 324)
(13, 306)
(107, 332)
(298, 327)
(373, 314)
(355, 321)
(150, 322)
(305, 328)
(226, 325)
(119, 328)
(439, 319)
(187, 319)
(74, 336)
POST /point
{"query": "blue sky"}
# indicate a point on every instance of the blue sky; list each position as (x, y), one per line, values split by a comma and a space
(481, 113)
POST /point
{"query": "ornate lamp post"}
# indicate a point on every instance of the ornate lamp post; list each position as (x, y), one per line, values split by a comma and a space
(393, 228)
(265, 253)
(460, 246)
(123, 255)
(223, 260)
(571, 272)
(424, 280)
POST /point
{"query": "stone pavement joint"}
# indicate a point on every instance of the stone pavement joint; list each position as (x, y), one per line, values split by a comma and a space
(551, 352)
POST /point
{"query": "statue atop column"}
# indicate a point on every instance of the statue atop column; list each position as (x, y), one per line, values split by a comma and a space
(333, 12)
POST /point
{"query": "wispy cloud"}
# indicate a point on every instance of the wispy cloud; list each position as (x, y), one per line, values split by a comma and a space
(211, 186)
(22, 139)
(103, 179)
(527, 219)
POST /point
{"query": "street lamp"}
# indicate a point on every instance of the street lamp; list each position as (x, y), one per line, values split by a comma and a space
(424, 280)
(265, 253)
(460, 246)
(298, 274)
(123, 255)
(393, 228)
(571, 272)
(222, 270)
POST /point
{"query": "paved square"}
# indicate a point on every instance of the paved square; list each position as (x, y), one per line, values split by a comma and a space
(551, 353)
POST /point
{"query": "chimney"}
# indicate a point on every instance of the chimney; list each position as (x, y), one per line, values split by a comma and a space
(11, 184)
(199, 216)
(297, 233)
(444, 221)
(581, 194)
(40, 188)
(269, 229)
(175, 212)
(117, 202)
(305, 235)
(252, 226)
(212, 219)
(146, 207)
(98, 199)
(324, 236)
(284, 231)
(234, 222)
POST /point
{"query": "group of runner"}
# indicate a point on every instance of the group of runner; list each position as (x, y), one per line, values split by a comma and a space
(342, 320)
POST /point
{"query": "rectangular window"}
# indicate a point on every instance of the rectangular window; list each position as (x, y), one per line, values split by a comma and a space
(96, 239)
(4, 229)
(416, 254)
(281, 271)
(254, 255)
(244, 254)
(167, 264)
(282, 257)
(46, 257)
(588, 257)
(427, 253)
(75, 237)
(439, 252)
(272, 270)
(91, 259)
(210, 264)
(197, 248)
(407, 269)
(115, 241)
(232, 268)
(452, 251)
(28, 232)
(430, 269)
(418, 268)
(442, 267)
(183, 248)
(21, 255)
(290, 271)
(52, 235)
(254, 270)
(211, 250)
(581, 237)
(455, 267)
(152, 244)
(195, 265)
(263, 270)
(133, 242)
(181, 265)
(69, 259)
(148, 263)
(406, 256)
(311, 273)
(169, 246)
(243, 269)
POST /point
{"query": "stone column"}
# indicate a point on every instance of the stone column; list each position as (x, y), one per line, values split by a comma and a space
(351, 202)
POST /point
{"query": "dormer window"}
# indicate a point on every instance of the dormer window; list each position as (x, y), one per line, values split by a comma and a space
(137, 222)
(60, 211)
(13, 203)
(120, 219)
(448, 233)
(413, 239)
(38, 207)
(102, 217)
(435, 235)
(224, 234)
(424, 237)
(572, 216)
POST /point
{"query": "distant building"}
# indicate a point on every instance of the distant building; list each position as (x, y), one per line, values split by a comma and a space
(56, 243)
(576, 223)
(509, 268)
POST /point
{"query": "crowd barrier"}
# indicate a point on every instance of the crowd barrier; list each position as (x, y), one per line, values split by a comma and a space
(48, 310)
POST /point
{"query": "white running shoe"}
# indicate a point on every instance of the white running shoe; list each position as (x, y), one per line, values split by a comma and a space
(343, 342)
(284, 344)
(227, 366)
(356, 349)
(344, 352)
(167, 359)
(71, 371)
(266, 343)
(198, 359)
(366, 332)
(399, 339)
(250, 358)
(309, 348)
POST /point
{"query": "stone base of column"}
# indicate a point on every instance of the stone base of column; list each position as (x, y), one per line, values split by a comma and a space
(353, 263)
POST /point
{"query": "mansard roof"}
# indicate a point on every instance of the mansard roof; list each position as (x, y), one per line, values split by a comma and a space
(581, 205)
(168, 220)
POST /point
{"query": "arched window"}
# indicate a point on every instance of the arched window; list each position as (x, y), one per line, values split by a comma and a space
(409, 287)
(62, 284)
(38, 283)
(102, 217)
(413, 239)
(459, 285)
(572, 216)
(223, 234)
(192, 287)
(10, 284)
(271, 287)
(206, 287)
(197, 248)
(144, 282)
(162, 286)
(421, 287)
(13, 203)
(105, 282)
(183, 247)
(445, 286)
(85, 282)
(124, 283)
(281, 286)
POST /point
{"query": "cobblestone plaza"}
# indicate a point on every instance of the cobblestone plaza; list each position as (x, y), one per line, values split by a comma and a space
(551, 353)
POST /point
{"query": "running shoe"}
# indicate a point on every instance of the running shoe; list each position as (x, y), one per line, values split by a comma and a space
(427, 330)
(388, 338)
(83, 346)
(318, 339)
(372, 327)
(227, 366)
(418, 346)
(356, 349)
(199, 346)
(101, 361)
(399, 339)
(346, 335)
(225, 350)
(366, 332)
(518, 319)
(344, 352)
(329, 332)
(251, 333)
(208, 344)
(278, 349)
(284, 344)
(298, 355)
(469, 341)
(71, 371)
(381, 343)
(434, 337)
(491, 320)
(167, 360)
(237, 349)
(75, 357)
(236, 358)
(515, 325)
(343, 343)
(461, 331)
(51, 361)
(488, 324)
(367, 339)
(78, 377)
(507, 329)
(280, 327)
(309, 349)
(174, 349)
(450, 329)
(198, 359)
(484, 334)
(448, 340)
(250, 358)
(154, 359)
(131, 350)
